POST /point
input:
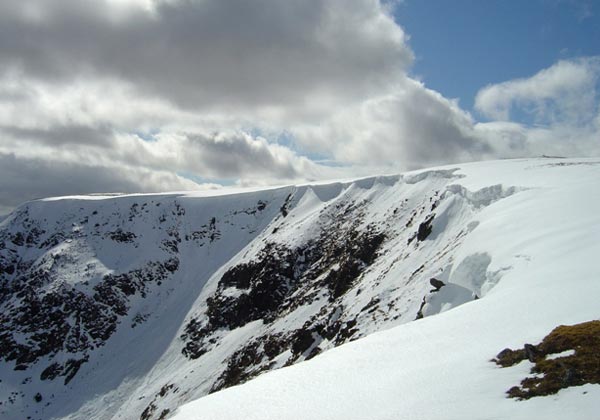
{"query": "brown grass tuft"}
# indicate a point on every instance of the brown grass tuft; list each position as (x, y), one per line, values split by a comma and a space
(552, 375)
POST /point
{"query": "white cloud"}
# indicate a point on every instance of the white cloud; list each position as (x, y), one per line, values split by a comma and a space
(222, 155)
(410, 127)
(80, 80)
(124, 95)
(564, 91)
(272, 58)
(564, 102)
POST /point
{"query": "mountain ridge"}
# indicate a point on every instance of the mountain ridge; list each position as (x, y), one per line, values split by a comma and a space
(191, 293)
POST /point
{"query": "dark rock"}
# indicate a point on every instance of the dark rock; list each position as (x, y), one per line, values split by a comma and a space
(531, 352)
(51, 372)
(371, 305)
(301, 341)
(151, 408)
(284, 209)
(65, 320)
(120, 236)
(314, 352)
(438, 284)
(243, 365)
(164, 390)
(18, 239)
(171, 265)
(148, 412)
(504, 353)
(72, 367)
(425, 228)
(420, 311)
(341, 280)
(9, 269)
(346, 332)
(268, 281)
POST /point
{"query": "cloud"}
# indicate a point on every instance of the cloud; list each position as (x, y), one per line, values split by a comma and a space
(167, 87)
(137, 95)
(511, 140)
(563, 102)
(410, 127)
(271, 57)
(230, 154)
(565, 91)
(62, 135)
(23, 179)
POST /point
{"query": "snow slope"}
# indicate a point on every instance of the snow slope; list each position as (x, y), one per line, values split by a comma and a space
(544, 240)
(130, 306)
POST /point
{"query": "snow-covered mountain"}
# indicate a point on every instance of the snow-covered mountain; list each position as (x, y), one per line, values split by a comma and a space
(131, 306)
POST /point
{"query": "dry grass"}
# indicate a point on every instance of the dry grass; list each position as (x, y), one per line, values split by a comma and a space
(552, 375)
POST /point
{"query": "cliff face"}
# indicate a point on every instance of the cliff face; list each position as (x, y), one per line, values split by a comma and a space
(130, 306)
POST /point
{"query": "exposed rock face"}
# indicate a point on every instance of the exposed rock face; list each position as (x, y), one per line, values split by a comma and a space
(425, 228)
(280, 280)
(217, 289)
(56, 316)
(72, 276)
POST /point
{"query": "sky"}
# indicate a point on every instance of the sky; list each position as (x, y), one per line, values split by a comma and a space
(166, 95)
(461, 49)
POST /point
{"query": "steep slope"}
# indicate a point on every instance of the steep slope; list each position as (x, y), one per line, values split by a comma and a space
(545, 242)
(130, 306)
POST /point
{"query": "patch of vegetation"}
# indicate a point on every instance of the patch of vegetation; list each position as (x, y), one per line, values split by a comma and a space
(581, 366)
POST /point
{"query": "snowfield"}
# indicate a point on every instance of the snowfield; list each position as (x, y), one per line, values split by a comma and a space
(380, 298)
(545, 239)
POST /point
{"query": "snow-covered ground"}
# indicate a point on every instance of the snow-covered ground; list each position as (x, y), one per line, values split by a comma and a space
(545, 240)
(160, 299)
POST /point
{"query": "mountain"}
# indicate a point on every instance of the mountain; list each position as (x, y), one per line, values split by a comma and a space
(131, 306)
